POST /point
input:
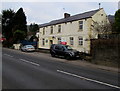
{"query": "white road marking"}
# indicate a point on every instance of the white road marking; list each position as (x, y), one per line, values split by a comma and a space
(29, 62)
(8, 55)
(88, 79)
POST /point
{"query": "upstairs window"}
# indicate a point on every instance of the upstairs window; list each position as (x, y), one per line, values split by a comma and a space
(59, 28)
(51, 30)
(71, 41)
(80, 25)
(43, 31)
(80, 41)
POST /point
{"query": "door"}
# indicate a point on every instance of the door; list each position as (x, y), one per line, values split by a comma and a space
(51, 42)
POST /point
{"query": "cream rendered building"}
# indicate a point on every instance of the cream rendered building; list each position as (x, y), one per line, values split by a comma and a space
(76, 30)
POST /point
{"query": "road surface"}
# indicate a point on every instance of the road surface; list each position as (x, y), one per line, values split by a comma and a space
(21, 70)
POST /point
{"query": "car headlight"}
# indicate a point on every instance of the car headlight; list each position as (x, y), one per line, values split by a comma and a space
(72, 53)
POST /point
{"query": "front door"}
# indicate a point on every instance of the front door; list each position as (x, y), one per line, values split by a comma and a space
(51, 42)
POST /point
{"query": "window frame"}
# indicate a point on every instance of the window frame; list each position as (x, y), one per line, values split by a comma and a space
(80, 25)
(59, 28)
(44, 31)
(72, 41)
(80, 41)
(51, 32)
(59, 40)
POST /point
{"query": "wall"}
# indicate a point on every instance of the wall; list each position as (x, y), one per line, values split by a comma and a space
(105, 50)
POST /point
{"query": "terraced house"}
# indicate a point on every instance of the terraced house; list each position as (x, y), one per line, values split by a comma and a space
(76, 30)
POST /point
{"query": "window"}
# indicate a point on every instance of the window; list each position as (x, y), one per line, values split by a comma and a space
(43, 31)
(80, 41)
(59, 40)
(80, 25)
(43, 42)
(71, 41)
(51, 30)
(58, 47)
(59, 28)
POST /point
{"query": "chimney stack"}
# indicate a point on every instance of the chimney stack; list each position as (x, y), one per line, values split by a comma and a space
(66, 15)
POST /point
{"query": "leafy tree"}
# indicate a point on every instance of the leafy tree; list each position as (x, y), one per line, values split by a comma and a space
(18, 36)
(33, 27)
(117, 21)
(19, 21)
(7, 25)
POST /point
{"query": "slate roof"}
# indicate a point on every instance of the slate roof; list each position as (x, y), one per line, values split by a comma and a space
(111, 18)
(71, 18)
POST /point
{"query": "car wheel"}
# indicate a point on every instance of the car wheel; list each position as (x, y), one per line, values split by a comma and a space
(52, 54)
(67, 57)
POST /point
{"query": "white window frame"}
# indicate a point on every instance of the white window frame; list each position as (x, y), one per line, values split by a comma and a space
(59, 28)
(59, 40)
(71, 40)
(51, 32)
(44, 31)
(80, 25)
(80, 41)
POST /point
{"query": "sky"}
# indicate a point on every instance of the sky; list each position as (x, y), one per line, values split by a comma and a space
(45, 11)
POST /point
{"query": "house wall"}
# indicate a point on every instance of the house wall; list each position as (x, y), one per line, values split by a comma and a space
(71, 29)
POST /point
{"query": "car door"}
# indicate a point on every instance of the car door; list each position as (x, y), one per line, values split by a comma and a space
(57, 50)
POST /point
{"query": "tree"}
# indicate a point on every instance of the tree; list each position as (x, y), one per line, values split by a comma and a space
(7, 25)
(19, 21)
(18, 36)
(117, 21)
(20, 28)
(34, 28)
(100, 28)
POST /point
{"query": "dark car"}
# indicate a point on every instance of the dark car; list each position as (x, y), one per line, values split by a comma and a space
(63, 50)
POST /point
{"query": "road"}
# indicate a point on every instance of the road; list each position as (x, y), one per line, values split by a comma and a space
(22, 70)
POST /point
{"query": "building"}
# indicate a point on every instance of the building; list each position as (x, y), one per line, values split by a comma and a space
(76, 30)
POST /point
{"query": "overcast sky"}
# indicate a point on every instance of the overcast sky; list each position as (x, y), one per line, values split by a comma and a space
(43, 12)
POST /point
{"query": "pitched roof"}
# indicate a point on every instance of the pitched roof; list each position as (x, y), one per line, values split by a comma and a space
(72, 18)
(111, 18)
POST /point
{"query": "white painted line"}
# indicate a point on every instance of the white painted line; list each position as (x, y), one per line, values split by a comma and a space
(8, 55)
(81, 77)
(29, 62)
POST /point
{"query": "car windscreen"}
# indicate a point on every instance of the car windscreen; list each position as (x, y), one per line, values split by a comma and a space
(68, 48)
(29, 46)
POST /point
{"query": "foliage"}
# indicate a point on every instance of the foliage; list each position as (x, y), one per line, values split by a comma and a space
(117, 21)
(19, 21)
(7, 25)
(33, 38)
(13, 25)
(33, 27)
(18, 35)
(101, 28)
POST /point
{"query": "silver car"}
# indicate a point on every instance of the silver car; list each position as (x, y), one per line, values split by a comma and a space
(27, 48)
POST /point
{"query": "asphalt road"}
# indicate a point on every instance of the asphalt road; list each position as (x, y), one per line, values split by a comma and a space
(22, 70)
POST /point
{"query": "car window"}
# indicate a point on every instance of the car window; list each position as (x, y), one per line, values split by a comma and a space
(68, 48)
(58, 47)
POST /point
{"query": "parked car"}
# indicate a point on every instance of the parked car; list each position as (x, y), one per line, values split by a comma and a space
(63, 50)
(27, 48)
